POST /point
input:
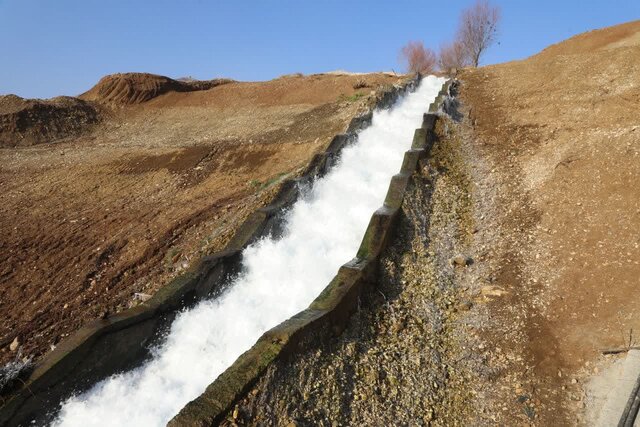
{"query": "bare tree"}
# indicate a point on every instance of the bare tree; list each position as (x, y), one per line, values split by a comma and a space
(452, 55)
(418, 58)
(478, 29)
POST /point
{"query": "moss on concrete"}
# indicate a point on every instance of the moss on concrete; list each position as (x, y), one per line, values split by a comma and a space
(331, 309)
(396, 190)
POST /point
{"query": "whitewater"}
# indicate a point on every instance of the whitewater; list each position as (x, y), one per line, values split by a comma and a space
(279, 278)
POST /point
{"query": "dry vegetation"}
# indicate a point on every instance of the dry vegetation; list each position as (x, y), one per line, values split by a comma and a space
(537, 185)
(418, 58)
(477, 31)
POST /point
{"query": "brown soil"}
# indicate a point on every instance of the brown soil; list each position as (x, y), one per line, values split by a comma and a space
(136, 88)
(90, 221)
(560, 135)
(538, 185)
(26, 122)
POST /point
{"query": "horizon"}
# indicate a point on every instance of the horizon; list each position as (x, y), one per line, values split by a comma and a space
(70, 45)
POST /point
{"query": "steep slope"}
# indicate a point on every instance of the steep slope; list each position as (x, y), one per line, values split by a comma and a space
(515, 264)
(561, 134)
(95, 223)
(623, 35)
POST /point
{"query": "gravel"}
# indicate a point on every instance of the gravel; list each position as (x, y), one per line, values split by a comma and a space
(411, 354)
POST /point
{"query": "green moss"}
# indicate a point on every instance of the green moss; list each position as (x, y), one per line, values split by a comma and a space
(274, 180)
(365, 247)
(334, 291)
(350, 98)
(259, 186)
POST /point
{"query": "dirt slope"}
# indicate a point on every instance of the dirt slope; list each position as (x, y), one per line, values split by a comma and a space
(537, 184)
(136, 88)
(597, 40)
(90, 221)
(26, 122)
(561, 132)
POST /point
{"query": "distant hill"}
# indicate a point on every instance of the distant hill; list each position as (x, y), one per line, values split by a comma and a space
(25, 122)
(624, 35)
(135, 88)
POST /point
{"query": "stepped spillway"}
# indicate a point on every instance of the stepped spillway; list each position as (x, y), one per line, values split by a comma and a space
(280, 278)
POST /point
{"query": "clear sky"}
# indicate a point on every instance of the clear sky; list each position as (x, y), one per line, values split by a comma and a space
(63, 47)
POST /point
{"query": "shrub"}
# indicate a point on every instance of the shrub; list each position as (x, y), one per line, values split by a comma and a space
(360, 84)
(418, 58)
(452, 55)
(478, 29)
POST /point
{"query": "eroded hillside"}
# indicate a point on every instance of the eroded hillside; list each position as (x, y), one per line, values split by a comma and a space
(560, 133)
(94, 223)
(25, 122)
(514, 265)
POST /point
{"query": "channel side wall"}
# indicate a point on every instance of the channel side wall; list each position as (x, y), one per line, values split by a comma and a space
(121, 342)
(331, 310)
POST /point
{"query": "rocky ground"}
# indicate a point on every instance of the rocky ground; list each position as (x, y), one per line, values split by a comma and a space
(536, 185)
(515, 263)
(558, 134)
(91, 224)
(409, 356)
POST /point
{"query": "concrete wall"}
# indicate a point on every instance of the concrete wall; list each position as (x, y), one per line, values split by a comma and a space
(121, 342)
(331, 310)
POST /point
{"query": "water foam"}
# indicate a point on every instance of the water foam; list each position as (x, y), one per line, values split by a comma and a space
(323, 231)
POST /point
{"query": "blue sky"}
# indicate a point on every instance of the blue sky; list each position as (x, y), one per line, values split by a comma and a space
(63, 47)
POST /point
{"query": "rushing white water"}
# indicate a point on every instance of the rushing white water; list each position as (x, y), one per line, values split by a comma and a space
(323, 231)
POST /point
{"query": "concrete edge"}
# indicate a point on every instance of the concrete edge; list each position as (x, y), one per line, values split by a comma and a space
(623, 396)
(331, 310)
(59, 368)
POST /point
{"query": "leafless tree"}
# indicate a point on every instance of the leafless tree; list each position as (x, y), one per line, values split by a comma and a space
(452, 55)
(478, 29)
(418, 58)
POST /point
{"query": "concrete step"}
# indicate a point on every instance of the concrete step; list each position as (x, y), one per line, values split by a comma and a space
(622, 386)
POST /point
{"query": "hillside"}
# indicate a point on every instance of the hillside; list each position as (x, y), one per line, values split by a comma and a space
(105, 216)
(136, 88)
(26, 122)
(514, 267)
(560, 133)
(510, 266)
